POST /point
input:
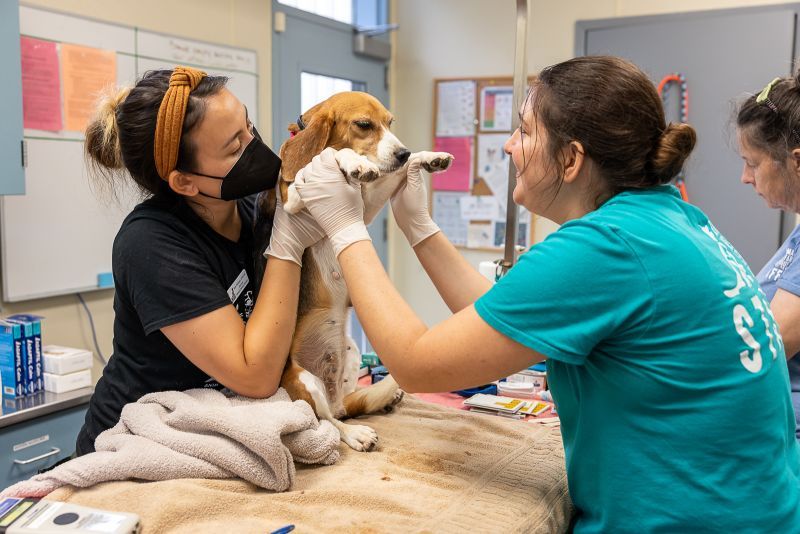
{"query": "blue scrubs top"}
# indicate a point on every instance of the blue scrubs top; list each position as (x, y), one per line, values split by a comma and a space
(783, 272)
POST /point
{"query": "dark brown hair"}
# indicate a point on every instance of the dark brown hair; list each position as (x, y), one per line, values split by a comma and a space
(775, 131)
(610, 107)
(120, 136)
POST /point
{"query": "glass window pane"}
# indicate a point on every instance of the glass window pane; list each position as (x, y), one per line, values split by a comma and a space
(314, 88)
(341, 10)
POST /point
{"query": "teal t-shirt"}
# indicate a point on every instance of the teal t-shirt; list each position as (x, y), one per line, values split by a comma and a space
(666, 366)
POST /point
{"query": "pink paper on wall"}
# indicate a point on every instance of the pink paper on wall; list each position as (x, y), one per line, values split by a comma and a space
(41, 89)
(459, 176)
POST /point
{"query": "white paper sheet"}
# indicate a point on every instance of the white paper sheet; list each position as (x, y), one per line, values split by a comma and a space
(480, 235)
(447, 214)
(493, 165)
(479, 208)
(456, 109)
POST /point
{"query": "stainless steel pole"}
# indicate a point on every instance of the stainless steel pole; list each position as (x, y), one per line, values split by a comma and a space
(520, 90)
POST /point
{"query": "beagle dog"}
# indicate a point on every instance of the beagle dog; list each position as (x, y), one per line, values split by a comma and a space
(323, 362)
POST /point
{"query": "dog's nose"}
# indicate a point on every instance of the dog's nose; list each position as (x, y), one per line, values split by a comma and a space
(402, 155)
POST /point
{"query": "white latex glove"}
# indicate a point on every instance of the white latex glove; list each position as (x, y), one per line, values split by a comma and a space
(335, 204)
(410, 205)
(292, 234)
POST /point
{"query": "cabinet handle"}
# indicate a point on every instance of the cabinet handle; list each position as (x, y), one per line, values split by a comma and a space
(53, 452)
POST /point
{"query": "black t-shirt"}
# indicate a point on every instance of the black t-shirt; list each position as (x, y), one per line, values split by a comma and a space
(169, 266)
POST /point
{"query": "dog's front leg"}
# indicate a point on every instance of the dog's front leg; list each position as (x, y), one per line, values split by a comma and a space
(376, 194)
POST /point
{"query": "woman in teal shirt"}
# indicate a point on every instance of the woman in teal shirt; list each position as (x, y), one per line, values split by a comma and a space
(662, 354)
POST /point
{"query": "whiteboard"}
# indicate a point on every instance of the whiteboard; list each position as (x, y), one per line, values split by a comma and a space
(63, 28)
(57, 238)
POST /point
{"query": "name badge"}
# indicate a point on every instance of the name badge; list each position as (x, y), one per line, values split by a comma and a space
(238, 286)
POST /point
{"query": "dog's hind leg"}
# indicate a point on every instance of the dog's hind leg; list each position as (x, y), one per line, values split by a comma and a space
(380, 397)
(302, 385)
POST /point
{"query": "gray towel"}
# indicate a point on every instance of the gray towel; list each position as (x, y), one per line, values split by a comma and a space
(200, 433)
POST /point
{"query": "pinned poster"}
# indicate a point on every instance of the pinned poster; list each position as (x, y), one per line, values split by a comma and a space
(523, 234)
(496, 108)
(41, 88)
(459, 176)
(447, 214)
(87, 72)
(493, 166)
(455, 115)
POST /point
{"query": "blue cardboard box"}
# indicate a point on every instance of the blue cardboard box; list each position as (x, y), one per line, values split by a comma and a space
(33, 347)
(28, 363)
(12, 372)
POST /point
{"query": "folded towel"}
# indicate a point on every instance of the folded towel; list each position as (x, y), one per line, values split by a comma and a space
(200, 433)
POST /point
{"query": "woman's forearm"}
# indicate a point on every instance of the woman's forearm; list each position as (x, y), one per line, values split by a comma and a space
(390, 324)
(458, 283)
(247, 358)
(462, 351)
(269, 330)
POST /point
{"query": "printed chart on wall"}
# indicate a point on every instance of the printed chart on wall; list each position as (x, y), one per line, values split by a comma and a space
(68, 62)
(473, 121)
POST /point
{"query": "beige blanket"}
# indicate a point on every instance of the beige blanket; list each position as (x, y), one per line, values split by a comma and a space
(436, 470)
(200, 433)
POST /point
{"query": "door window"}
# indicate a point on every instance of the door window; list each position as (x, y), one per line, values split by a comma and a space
(314, 88)
(341, 10)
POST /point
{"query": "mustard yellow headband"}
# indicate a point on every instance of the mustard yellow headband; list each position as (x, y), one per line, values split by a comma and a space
(169, 124)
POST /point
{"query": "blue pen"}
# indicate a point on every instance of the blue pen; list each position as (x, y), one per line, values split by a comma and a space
(283, 530)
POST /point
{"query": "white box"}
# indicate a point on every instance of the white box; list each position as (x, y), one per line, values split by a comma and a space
(537, 378)
(521, 390)
(70, 382)
(59, 360)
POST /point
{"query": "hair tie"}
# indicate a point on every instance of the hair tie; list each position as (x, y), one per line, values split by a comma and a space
(169, 124)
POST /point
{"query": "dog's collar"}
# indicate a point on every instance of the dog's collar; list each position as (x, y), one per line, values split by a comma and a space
(300, 125)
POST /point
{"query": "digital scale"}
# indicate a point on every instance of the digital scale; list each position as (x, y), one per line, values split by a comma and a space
(35, 516)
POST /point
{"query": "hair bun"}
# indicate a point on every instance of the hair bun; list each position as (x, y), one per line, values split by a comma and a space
(672, 148)
(102, 134)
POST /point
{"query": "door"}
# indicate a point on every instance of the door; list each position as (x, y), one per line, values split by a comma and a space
(724, 55)
(12, 176)
(312, 58)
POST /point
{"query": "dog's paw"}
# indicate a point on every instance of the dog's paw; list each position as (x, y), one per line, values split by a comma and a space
(356, 166)
(396, 398)
(359, 437)
(293, 201)
(434, 161)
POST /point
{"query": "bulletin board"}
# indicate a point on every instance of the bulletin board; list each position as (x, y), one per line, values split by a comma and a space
(57, 237)
(472, 121)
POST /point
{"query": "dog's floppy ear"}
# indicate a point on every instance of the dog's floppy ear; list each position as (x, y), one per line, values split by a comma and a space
(304, 144)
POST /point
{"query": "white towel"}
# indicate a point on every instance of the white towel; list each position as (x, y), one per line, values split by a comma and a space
(200, 433)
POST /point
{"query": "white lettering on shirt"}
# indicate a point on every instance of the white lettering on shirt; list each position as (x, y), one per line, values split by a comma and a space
(780, 266)
(742, 318)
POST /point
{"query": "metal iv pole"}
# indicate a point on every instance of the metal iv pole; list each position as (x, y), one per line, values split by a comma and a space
(520, 91)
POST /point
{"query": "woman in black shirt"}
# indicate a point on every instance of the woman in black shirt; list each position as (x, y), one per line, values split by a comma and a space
(186, 315)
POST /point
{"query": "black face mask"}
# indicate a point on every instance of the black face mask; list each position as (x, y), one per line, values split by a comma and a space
(256, 170)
